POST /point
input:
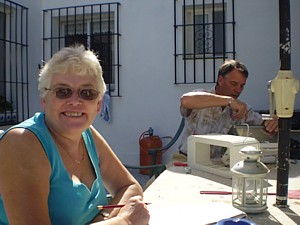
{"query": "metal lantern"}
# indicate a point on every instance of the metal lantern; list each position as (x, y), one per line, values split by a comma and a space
(249, 182)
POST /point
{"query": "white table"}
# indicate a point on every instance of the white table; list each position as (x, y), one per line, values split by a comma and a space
(174, 187)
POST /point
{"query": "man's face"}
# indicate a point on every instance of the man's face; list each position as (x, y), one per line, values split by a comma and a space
(232, 84)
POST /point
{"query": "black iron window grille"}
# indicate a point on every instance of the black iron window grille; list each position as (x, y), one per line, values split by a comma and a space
(14, 93)
(204, 37)
(95, 26)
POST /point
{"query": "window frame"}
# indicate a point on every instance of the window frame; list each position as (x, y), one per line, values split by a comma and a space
(212, 30)
(84, 19)
(191, 67)
(14, 83)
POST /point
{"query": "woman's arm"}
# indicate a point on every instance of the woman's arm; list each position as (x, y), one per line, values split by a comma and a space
(24, 178)
(118, 181)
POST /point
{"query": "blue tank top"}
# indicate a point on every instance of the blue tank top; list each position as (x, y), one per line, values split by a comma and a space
(69, 203)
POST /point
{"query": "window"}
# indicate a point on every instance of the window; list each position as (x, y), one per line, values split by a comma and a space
(2, 53)
(204, 30)
(95, 26)
(14, 97)
(204, 38)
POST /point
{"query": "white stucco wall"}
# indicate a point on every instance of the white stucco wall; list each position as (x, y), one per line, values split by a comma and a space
(149, 95)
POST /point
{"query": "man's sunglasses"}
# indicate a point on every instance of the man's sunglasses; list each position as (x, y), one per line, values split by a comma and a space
(64, 93)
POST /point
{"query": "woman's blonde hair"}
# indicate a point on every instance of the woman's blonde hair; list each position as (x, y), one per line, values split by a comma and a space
(73, 60)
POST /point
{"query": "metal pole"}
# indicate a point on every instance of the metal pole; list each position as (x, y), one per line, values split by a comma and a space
(284, 124)
(285, 34)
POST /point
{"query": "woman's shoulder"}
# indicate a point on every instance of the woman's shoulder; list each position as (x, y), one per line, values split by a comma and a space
(95, 134)
(22, 147)
(20, 140)
(18, 136)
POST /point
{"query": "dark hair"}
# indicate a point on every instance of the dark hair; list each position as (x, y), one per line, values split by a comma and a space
(231, 64)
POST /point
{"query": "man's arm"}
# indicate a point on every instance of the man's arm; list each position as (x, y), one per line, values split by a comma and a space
(201, 100)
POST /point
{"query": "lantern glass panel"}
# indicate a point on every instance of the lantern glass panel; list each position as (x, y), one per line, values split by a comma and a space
(249, 194)
(252, 191)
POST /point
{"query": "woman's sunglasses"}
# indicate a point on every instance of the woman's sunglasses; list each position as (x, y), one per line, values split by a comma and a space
(64, 93)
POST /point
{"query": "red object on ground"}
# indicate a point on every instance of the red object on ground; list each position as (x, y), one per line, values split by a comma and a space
(180, 164)
(146, 143)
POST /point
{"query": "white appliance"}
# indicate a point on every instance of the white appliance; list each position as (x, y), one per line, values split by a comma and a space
(199, 152)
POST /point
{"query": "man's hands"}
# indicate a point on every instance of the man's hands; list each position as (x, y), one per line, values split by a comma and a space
(271, 125)
(239, 109)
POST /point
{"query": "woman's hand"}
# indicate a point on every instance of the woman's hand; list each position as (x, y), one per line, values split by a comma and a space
(135, 211)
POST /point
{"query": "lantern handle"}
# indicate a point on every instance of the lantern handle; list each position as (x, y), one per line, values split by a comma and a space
(248, 133)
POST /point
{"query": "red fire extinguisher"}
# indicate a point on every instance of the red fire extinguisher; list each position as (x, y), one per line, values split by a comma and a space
(149, 141)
